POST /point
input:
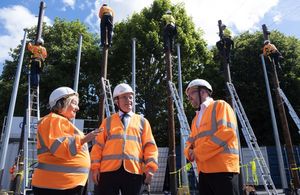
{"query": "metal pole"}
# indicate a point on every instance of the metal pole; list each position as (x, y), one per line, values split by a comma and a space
(78, 64)
(275, 129)
(40, 21)
(133, 70)
(171, 128)
(182, 143)
(26, 136)
(12, 108)
(284, 124)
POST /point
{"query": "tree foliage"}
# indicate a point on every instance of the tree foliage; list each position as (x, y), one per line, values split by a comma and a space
(61, 41)
(147, 28)
(248, 78)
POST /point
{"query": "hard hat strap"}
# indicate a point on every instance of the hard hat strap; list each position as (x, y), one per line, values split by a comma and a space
(200, 100)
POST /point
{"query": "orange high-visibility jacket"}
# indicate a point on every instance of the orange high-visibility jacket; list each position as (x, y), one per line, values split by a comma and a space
(134, 146)
(215, 142)
(106, 10)
(63, 163)
(269, 49)
(37, 51)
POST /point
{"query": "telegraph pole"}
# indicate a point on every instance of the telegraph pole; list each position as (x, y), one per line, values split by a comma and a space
(284, 124)
(104, 75)
(171, 126)
(40, 21)
(227, 75)
(222, 52)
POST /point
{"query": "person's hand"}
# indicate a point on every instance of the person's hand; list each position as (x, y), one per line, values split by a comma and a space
(148, 178)
(191, 155)
(96, 176)
(90, 136)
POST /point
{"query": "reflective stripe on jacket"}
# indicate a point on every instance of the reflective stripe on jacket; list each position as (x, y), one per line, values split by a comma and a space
(63, 163)
(215, 142)
(106, 10)
(134, 146)
(37, 51)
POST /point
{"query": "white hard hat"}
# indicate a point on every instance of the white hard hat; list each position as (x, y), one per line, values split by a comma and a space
(266, 41)
(121, 89)
(168, 12)
(40, 41)
(59, 93)
(200, 83)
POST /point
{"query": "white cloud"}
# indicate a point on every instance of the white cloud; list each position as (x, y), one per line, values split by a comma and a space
(289, 10)
(92, 19)
(239, 15)
(277, 18)
(121, 8)
(13, 27)
(69, 3)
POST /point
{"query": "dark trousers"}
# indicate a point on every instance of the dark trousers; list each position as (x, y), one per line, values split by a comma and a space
(106, 23)
(35, 69)
(113, 182)
(74, 191)
(218, 184)
(169, 34)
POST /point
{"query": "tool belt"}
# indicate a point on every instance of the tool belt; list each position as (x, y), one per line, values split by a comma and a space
(107, 14)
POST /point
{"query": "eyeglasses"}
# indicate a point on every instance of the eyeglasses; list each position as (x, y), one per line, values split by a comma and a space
(130, 98)
(190, 94)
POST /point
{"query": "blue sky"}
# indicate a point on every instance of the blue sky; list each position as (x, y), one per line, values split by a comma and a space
(239, 15)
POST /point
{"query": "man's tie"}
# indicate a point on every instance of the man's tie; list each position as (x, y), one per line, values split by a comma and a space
(124, 120)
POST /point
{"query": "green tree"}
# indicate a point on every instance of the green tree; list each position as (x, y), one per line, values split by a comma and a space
(247, 76)
(147, 28)
(61, 42)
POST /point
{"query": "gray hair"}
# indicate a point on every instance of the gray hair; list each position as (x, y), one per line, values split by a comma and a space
(63, 103)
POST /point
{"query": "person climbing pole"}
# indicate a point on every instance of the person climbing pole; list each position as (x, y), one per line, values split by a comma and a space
(39, 54)
(170, 31)
(106, 15)
(226, 44)
(271, 52)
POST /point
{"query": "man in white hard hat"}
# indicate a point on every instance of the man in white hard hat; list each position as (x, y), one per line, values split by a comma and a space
(125, 150)
(213, 142)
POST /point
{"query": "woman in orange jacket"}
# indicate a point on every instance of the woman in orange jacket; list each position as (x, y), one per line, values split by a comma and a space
(124, 150)
(63, 156)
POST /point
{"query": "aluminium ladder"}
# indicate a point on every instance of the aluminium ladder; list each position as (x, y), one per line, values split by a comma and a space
(30, 151)
(251, 141)
(291, 110)
(184, 125)
(108, 100)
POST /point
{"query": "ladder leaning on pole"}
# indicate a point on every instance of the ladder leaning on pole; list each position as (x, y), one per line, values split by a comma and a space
(184, 125)
(291, 110)
(30, 151)
(251, 141)
(108, 99)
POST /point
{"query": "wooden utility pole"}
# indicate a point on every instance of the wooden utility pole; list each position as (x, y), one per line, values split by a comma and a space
(40, 21)
(227, 75)
(171, 127)
(104, 75)
(284, 124)
(223, 57)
